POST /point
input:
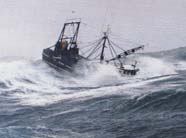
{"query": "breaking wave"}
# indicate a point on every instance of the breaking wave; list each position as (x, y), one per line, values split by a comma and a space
(95, 101)
(37, 83)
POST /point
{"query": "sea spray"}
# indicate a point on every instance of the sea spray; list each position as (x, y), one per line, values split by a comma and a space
(35, 83)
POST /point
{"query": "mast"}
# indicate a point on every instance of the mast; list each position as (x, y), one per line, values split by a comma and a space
(105, 42)
(103, 48)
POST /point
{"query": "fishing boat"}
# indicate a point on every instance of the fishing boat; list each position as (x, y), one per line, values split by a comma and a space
(64, 55)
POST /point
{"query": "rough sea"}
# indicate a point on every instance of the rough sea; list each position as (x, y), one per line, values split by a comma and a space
(37, 101)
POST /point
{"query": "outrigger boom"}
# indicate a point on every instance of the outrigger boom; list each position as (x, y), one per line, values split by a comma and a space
(127, 53)
(105, 42)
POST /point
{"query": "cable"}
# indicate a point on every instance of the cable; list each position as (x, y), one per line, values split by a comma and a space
(116, 45)
(111, 51)
(114, 50)
(91, 43)
(94, 49)
(92, 46)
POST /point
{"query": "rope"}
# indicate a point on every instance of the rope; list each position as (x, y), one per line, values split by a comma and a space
(97, 56)
(94, 49)
(114, 50)
(116, 45)
(91, 43)
(111, 51)
(87, 51)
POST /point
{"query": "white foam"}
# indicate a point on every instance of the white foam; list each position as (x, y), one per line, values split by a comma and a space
(48, 86)
(180, 65)
(152, 67)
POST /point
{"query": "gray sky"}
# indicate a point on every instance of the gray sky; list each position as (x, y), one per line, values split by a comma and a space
(28, 26)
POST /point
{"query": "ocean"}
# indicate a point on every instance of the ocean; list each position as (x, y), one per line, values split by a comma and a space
(37, 101)
(40, 102)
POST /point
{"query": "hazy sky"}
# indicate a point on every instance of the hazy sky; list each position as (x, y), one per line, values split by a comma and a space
(28, 26)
